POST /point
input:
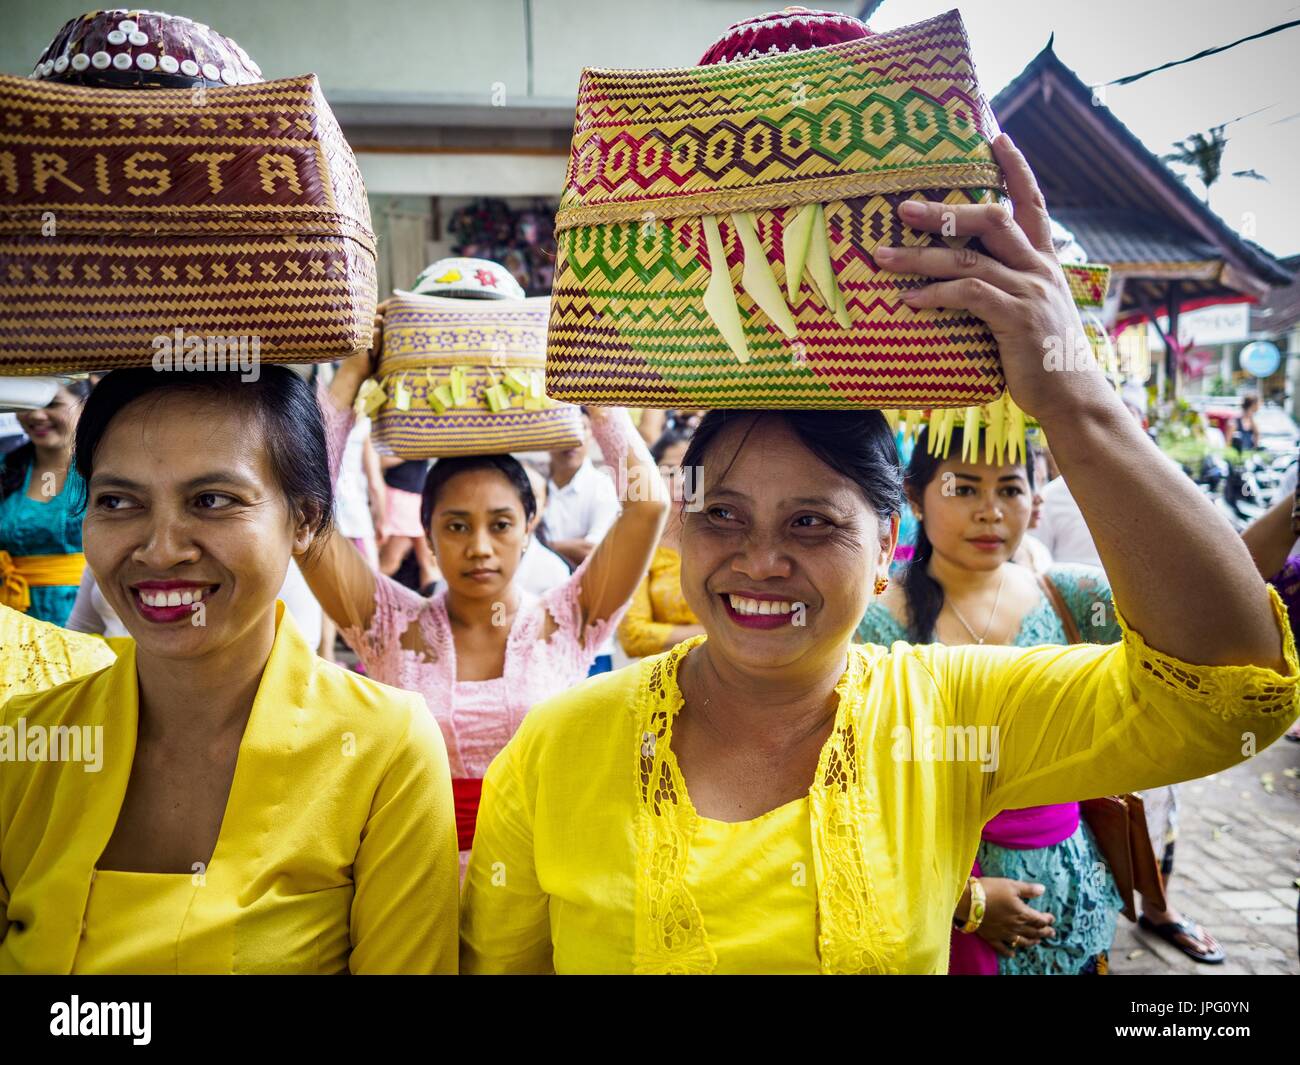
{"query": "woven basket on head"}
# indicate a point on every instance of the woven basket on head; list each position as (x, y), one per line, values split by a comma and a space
(466, 377)
(717, 227)
(133, 220)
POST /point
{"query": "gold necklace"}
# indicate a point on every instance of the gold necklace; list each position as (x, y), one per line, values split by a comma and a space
(994, 613)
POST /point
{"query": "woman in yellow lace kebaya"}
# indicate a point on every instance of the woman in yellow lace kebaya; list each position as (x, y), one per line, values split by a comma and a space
(230, 803)
(769, 798)
(658, 617)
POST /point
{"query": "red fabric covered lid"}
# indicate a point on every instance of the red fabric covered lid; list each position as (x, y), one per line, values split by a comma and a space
(127, 48)
(792, 29)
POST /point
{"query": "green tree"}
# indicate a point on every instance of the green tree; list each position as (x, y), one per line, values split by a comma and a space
(1203, 154)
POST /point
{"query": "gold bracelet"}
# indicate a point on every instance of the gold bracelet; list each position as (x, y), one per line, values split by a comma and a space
(978, 900)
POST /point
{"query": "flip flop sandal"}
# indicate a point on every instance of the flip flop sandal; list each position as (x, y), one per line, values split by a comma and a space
(1171, 930)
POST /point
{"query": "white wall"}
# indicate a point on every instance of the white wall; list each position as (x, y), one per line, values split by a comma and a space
(423, 47)
(456, 174)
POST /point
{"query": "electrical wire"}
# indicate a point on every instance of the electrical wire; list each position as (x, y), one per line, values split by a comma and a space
(1202, 54)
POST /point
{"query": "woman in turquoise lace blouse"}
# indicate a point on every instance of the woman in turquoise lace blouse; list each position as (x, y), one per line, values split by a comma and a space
(961, 588)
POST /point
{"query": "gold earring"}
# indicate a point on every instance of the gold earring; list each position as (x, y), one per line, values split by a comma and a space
(881, 584)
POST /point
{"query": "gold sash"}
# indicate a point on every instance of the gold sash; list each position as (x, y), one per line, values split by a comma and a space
(19, 575)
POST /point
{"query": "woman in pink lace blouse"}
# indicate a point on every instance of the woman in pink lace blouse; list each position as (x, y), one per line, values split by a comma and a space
(482, 650)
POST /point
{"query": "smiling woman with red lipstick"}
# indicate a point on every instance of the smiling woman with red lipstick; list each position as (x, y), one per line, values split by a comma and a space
(255, 809)
(772, 797)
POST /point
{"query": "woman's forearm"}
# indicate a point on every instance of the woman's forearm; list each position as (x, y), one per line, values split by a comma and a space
(1269, 538)
(574, 552)
(651, 426)
(628, 458)
(348, 379)
(1180, 575)
(354, 370)
(375, 483)
(962, 912)
(620, 560)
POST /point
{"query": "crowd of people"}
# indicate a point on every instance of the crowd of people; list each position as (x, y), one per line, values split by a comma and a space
(396, 741)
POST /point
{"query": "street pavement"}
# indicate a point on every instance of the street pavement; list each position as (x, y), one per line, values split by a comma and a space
(1235, 868)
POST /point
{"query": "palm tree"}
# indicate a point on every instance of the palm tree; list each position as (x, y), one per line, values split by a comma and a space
(1203, 152)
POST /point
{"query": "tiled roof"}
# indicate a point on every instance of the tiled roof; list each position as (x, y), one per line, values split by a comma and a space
(1087, 160)
(1121, 236)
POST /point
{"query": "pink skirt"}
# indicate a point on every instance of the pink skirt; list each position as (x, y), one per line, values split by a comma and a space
(403, 513)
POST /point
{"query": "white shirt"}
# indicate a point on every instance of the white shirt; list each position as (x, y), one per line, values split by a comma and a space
(584, 509)
(1061, 527)
(541, 569)
(352, 491)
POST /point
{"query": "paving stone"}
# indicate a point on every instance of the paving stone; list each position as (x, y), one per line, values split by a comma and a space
(1228, 877)
(1193, 873)
(1280, 878)
(1254, 860)
(1272, 837)
(1236, 846)
(1228, 968)
(1261, 952)
(1227, 933)
(1259, 869)
(1277, 915)
(1247, 900)
(1211, 849)
(1278, 936)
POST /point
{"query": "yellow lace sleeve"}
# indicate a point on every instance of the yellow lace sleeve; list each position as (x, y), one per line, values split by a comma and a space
(1071, 723)
(1229, 691)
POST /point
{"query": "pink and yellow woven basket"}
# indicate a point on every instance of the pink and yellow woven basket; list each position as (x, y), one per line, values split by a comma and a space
(717, 227)
(466, 377)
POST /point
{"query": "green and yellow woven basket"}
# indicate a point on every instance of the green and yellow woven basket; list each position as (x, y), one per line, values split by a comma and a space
(717, 227)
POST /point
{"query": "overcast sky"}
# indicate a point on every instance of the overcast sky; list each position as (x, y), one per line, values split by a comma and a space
(1105, 39)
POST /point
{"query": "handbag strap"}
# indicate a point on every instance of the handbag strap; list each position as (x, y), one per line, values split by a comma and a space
(1053, 594)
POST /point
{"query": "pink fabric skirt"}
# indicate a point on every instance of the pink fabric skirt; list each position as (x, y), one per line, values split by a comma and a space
(403, 513)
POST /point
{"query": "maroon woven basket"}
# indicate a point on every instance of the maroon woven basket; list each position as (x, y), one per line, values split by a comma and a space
(132, 221)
